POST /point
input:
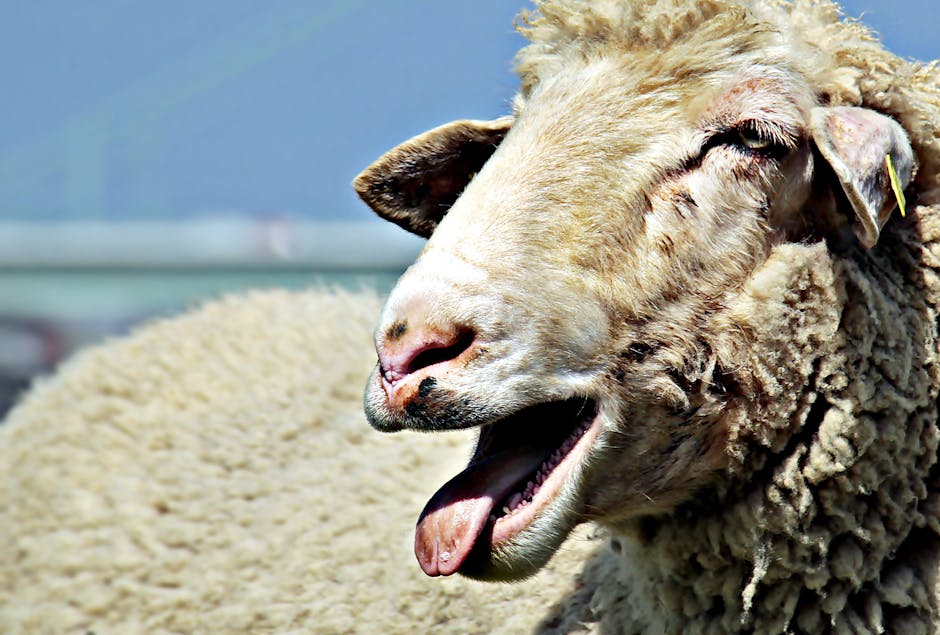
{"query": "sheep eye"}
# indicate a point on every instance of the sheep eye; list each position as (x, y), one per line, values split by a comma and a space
(753, 140)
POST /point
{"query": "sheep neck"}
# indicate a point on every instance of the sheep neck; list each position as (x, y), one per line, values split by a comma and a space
(830, 519)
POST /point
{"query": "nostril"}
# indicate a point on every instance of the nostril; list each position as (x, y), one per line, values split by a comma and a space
(400, 359)
(436, 353)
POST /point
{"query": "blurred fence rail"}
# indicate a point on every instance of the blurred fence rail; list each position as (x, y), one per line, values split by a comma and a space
(207, 243)
(63, 286)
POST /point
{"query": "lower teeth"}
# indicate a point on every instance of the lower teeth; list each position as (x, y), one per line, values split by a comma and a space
(521, 499)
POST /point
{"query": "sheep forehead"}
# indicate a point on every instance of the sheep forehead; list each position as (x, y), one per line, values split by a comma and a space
(608, 128)
(760, 94)
(602, 111)
(672, 78)
(587, 140)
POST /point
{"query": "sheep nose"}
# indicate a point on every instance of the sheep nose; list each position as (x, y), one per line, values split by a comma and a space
(411, 353)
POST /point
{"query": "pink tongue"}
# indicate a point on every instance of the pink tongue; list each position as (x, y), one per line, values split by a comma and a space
(455, 516)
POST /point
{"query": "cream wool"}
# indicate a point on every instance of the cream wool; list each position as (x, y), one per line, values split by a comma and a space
(841, 58)
(213, 473)
(694, 238)
(829, 519)
(799, 381)
(829, 523)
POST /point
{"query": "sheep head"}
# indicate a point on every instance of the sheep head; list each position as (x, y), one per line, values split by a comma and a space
(572, 301)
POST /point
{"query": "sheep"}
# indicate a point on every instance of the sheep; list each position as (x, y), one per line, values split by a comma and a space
(775, 361)
(214, 473)
(673, 295)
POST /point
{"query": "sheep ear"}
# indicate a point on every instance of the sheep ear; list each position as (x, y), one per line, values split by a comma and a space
(415, 184)
(855, 142)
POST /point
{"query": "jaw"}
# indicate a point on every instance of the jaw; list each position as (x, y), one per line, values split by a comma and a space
(504, 516)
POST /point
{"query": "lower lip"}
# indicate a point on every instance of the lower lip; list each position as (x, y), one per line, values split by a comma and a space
(508, 527)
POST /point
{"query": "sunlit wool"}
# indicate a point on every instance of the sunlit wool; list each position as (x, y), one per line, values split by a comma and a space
(211, 473)
(687, 220)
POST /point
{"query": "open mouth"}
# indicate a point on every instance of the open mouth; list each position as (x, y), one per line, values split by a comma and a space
(520, 465)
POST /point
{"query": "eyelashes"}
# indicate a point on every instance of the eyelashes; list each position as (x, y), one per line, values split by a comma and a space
(753, 138)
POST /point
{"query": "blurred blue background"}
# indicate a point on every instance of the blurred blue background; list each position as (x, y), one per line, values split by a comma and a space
(156, 153)
(127, 110)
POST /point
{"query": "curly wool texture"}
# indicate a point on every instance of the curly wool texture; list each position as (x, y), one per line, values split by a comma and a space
(830, 524)
(841, 58)
(827, 519)
(830, 519)
(213, 473)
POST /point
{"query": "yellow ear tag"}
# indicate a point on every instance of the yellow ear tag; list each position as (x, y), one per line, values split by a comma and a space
(896, 185)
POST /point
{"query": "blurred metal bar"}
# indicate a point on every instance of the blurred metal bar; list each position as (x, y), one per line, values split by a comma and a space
(212, 243)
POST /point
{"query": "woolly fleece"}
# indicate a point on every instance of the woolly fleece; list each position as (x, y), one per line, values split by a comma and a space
(213, 473)
(827, 520)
